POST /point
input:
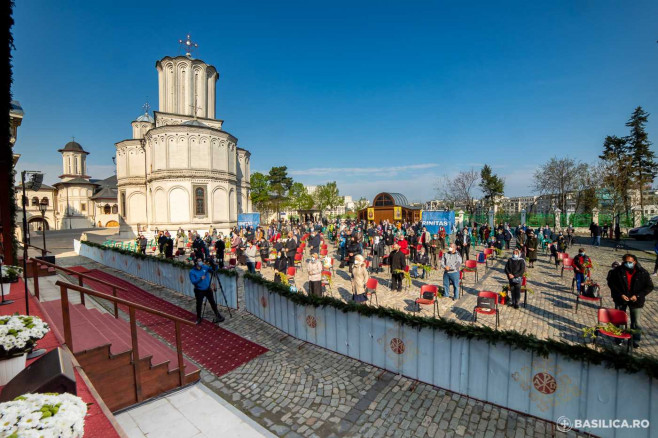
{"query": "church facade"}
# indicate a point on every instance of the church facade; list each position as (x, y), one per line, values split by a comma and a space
(180, 168)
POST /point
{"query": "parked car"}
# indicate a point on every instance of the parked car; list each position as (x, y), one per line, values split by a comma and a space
(645, 232)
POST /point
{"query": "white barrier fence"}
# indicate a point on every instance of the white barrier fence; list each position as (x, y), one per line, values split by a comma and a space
(155, 271)
(553, 388)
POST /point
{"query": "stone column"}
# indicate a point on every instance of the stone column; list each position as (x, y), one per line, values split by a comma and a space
(557, 212)
(460, 219)
(491, 218)
(637, 216)
(569, 213)
(523, 216)
(595, 215)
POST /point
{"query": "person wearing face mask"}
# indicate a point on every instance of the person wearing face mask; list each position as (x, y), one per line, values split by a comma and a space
(581, 267)
(250, 257)
(200, 276)
(451, 263)
(514, 269)
(314, 270)
(629, 285)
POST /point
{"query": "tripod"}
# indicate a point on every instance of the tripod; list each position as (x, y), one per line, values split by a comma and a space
(214, 281)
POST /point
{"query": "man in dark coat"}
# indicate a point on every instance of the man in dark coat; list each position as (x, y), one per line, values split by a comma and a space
(291, 249)
(314, 242)
(199, 248)
(398, 262)
(169, 246)
(629, 285)
(463, 243)
(514, 269)
(162, 241)
(220, 248)
(353, 248)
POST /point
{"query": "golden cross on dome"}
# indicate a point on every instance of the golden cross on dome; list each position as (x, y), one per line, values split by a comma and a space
(188, 45)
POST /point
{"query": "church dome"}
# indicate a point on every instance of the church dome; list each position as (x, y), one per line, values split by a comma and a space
(194, 123)
(72, 146)
(145, 118)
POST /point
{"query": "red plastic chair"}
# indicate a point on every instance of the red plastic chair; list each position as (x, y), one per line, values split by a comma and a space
(617, 318)
(324, 246)
(298, 260)
(560, 257)
(232, 263)
(486, 310)
(579, 297)
(300, 249)
(471, 266)
(259, 265)
(291, 273)
(490, 253)
(567, 265)
(323, 252)
(429, 301)
(326, 280)
(371, 289)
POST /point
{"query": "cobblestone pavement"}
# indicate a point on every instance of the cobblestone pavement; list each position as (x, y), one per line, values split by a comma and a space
(550, 311)
(297, 389)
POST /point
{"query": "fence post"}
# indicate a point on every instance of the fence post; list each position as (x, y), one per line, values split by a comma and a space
(81, 283)
(135, 348)
(595, 215)
(66, 317)
(35, 278)
(179, 353)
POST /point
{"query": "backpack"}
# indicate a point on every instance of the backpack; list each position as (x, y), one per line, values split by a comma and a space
(592, 290)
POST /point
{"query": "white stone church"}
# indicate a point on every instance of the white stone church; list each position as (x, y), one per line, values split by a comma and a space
(180, 169)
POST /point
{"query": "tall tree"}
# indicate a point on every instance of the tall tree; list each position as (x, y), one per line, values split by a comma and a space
(558, 176)
(260, 192)
(460, 189)
(492, 185)
(644, 167)
(280, 184)
(615, 172)
(328, 197)
(299, 198)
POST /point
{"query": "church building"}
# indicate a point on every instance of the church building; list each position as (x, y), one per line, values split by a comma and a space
(180, 168)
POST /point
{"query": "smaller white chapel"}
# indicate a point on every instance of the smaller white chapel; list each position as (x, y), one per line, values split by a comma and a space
(180, 168)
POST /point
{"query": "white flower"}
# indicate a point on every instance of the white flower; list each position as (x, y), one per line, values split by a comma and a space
(24, 416)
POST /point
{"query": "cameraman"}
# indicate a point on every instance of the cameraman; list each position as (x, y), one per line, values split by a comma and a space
(200, 276)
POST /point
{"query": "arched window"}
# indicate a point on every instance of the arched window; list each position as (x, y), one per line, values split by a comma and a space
(35, 202)
(383, 199)
(107, 209)
(199, 201)
(45, 201)
(115, 209)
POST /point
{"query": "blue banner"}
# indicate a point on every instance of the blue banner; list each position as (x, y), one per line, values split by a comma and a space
(434, 220)
(249, 220)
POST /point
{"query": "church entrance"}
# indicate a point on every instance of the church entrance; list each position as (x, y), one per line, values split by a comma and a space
(112, 224)
(37, 224)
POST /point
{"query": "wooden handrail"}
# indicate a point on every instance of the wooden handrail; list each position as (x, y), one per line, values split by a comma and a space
(122, 301)
(80, 276)
(43, 251)
(132, 307)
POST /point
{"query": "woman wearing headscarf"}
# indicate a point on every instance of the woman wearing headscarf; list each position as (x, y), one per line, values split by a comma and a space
(531, 245)
(359, 278)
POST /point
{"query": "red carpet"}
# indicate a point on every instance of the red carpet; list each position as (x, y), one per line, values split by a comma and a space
(96, 423)
(216, 349)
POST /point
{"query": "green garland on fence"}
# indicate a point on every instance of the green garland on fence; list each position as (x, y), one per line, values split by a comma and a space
(140, 256)
(543, 347)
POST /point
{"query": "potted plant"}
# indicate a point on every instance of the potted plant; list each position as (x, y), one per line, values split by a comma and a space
(18, 333)
(42, 415)
(10, 274)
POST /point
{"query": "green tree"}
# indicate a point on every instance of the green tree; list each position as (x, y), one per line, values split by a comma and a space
(615, 172)
(643, 159)
(280, 184)
(361, 204)
(492, 186)
(299, 198)
(328, 197)
(260, 192)
(559, 176)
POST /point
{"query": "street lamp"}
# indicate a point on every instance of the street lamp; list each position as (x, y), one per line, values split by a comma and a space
(43, 206)
(36, 178)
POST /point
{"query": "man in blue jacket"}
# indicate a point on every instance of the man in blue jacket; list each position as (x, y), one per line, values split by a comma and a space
(200, 277)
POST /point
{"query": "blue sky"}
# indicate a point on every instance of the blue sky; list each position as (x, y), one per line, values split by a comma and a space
(377, 95)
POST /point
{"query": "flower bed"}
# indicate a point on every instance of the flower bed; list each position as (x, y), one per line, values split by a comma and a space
(43, 415)
(18, 333)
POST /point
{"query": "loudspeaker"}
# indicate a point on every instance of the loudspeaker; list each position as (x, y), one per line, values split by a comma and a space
(53, 372)
(49, 259)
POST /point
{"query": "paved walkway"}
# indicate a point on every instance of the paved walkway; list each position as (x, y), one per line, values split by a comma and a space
(550, 311)
(297, 389)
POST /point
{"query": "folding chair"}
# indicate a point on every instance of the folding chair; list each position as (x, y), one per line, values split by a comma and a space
(580, 296)
(487, 304)
(326, 281)
(617, 318)
(371, 289)
(428, 297)
(567, 265)
(491, 254)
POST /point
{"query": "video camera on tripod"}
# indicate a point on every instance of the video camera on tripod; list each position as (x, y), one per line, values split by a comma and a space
(214, 282)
